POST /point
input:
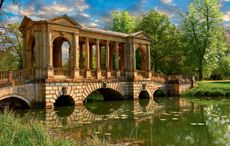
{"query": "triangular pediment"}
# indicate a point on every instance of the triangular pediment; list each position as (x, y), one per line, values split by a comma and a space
(140, 35)
(65, 20)
(26, 22)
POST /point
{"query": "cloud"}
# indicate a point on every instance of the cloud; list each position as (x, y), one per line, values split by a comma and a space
(170, 14)
(166, 1)
(227, 16)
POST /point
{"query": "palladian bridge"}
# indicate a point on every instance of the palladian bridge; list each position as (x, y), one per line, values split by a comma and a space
(64, 62)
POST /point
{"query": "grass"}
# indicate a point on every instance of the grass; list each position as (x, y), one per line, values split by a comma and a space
(210, 89)
(15, 131)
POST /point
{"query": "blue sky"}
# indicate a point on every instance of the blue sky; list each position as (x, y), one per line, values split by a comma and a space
(97, 12)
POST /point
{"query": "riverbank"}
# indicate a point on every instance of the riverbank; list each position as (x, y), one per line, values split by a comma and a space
(21, 132)
(214, 89)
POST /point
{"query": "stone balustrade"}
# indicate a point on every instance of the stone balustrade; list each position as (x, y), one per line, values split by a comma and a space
(23, 74)
(62, 71)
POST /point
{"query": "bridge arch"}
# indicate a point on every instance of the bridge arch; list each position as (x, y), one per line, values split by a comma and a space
(24, 101)
(98, 86)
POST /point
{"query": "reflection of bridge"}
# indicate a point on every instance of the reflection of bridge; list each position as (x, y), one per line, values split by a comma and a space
(63, 57)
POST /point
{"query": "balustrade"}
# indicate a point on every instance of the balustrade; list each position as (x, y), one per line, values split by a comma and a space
(23, 74)
(62, 71)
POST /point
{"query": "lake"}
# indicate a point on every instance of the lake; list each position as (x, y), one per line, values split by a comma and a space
(159, 122)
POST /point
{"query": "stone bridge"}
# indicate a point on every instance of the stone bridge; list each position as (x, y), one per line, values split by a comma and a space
(65, 60)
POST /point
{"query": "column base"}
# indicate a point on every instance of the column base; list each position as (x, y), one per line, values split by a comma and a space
(50, 73)
(88, 73)
(98, 74)
(108, 74)
(148, 74)
(75, 73)
(118, 73)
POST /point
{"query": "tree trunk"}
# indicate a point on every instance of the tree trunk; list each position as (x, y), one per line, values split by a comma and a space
(200, 69)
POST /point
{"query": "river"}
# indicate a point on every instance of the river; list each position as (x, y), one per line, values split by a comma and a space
(162, 122)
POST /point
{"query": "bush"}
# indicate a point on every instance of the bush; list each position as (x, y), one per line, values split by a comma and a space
(16, 131)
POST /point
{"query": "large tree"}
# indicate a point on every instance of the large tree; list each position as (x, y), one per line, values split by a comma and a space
(203, 33)
(122, 21)
(166, 52)
(11, 47)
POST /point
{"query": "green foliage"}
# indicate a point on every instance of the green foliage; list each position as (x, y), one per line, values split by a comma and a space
(210, 89)
(138, 59)
(122, 22)
(166, 50)
(203, 36)
(11, 50)
(18, 132)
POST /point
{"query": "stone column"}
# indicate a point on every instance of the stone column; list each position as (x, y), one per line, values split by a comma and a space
(148, 62)
(134, 62)
(50, 73)
(117, 59)
(98, 67)
(75, 70)
(24, 54)
(88, 72)
(108, 72)
(81, 56)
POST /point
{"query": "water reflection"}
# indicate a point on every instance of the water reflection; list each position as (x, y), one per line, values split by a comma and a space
(173, 122)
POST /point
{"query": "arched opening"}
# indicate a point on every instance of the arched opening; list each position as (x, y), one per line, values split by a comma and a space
(64, 100)
(140, 59)
(31, 53)
(101, 101)
(13, 103)
(144, 98)
(103, 57)
(160, 96)
(61, 53)
(144, 95)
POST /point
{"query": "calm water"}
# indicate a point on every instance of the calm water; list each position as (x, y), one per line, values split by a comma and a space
(175, 122)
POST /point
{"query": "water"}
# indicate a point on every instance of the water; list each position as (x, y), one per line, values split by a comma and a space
(175, 122)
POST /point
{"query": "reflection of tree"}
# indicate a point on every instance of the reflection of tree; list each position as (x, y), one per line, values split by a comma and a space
(217, 123)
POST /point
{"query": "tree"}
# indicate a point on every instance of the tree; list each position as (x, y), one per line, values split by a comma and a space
(121, 21)
(166, 52)
(202, 33)
(11, 47)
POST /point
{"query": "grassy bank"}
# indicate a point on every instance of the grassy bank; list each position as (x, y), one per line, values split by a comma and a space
(16, 131)
(210, 89)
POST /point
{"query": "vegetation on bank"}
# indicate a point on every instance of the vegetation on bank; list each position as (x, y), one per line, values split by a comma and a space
(16, 131)
(210, 89)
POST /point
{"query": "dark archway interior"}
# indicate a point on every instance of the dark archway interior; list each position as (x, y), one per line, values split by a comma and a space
(13, 103)
(160, 96)
(64, 100)
(159, 93)
(144, 95)
(100, 102)
(144, 98)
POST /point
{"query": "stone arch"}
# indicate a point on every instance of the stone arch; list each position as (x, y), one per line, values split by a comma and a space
(57, 51)
(94, 86)
(18, 97)
(140, 53)
(143, 88)
(30, 47)
(59, 92)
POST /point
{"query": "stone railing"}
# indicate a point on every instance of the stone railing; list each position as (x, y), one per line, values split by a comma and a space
(22, 74)
(93, 73)
(141, 73)
(181, 78)
(159, 77)
(82, 73)
(103, 73)
(62, 71)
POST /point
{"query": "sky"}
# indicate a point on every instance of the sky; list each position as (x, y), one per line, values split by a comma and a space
(96, 13)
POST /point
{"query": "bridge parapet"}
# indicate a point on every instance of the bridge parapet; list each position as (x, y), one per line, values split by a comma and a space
(16, 75)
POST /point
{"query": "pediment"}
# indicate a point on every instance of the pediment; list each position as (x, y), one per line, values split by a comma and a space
(140, 35)
(26, 22)
(65, 20)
